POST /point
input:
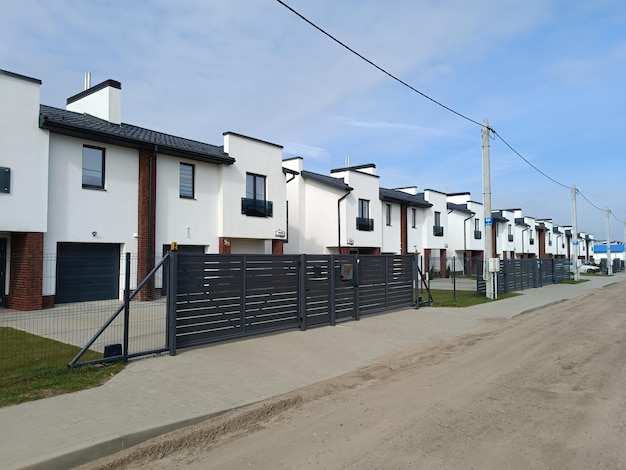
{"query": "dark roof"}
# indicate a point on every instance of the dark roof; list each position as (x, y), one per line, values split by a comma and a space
(357, 167)
(90, 127)
(338, 183)
(400, 197)
(93, 89)
(556, 230)
(290, 171)
(22, 77)
(498, 217)
(459, 208)
(521, 222)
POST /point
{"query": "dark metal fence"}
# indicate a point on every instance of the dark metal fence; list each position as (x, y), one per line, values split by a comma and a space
(223, 297)
(521, 274)
(53, 336)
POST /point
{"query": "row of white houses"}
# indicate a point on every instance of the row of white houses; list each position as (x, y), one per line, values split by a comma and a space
(79, 182)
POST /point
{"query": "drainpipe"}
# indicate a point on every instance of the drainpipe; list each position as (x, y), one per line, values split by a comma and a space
(339, 218)
(465, 239)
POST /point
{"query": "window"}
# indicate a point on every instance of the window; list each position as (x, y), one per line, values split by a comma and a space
(414, 218)
(388, 214)
(364, 209)
(510, 229)
(186, 181)
(255, 203)
(477, 224)
(255, 187)
(93, 167)
(437, 228)
(438, 219)
(363, 221)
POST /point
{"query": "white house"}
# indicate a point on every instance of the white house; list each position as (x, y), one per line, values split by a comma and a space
(80, 184)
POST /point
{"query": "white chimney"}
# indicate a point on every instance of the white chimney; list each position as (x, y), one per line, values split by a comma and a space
(103, 100)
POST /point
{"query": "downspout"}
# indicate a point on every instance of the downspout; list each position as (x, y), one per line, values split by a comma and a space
(465, 237)
(293, 177)
(339, 219)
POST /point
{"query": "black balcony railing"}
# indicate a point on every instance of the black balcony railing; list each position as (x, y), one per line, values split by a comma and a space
(510, 238)
(437, 230)
(532, 241)
(478, 234)
(365, 225)
(256, 207)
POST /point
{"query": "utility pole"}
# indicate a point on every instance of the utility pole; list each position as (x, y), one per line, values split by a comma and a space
(609, 265)
(574, 236)
(487, 275)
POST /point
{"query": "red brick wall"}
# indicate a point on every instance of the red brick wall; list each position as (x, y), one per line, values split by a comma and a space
(146, 231)
(224, 247)
(26, 283)
(277, 247)
(403, 234)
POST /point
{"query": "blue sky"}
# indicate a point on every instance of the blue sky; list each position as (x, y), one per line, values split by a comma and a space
(548, 74)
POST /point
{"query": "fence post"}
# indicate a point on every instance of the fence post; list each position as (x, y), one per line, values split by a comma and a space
(126, 306)
(332, 279)
(414, 274)
(302, 313)
(356, 289)
(454, 276)
(172, 290)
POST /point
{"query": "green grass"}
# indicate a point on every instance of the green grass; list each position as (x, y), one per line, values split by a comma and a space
(32, 367)
(464, 298)
(572, 281)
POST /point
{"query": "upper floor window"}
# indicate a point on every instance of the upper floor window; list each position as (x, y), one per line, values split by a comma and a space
(438, 219)
(509, 229)
(413, 217)
(93, 167)
(364, 209)
(477, 224)
(255, 203)
(388, 214)
(186, 181)
(255, 187)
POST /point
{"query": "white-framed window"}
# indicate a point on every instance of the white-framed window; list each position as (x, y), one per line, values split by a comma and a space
(388, 214)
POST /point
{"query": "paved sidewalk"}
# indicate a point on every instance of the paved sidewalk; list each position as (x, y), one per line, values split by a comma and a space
(155, 395)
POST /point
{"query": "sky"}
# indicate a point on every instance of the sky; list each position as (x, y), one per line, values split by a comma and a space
(549, 75)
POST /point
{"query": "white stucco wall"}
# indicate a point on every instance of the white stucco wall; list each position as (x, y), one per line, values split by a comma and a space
(23, 149)
(365, 186)
(438, 200)
(415, 235)
(76, 213)
(262, 158)
(187, 221)
(391, 234)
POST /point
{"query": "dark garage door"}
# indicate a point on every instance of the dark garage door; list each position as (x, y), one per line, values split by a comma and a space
(87, 271)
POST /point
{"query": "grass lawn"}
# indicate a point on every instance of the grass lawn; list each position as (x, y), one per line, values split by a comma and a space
(464, 298)
(32, 367)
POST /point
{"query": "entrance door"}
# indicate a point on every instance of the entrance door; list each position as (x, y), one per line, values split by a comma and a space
(3, 271)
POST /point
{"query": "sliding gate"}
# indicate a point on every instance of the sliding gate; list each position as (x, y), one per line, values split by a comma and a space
(220, 297)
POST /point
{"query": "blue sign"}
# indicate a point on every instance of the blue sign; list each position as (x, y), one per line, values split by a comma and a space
(575, 242)
(488, 220)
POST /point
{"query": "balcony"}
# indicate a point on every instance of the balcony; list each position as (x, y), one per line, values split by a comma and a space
(510, 237)
(365, 225)
(532, 241)
(478, 234)
(256, 207)
(437, 230)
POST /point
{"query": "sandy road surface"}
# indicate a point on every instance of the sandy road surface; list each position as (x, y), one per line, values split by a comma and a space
(544, 390)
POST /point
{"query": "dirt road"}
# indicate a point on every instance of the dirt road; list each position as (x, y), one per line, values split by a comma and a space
(544, 390)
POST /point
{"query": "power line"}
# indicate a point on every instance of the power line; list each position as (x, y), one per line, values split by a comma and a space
(377, 66)
(530, 164)
(424, 95)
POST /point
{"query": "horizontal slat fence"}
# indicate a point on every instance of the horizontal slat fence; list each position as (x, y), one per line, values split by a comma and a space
(221, 297)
